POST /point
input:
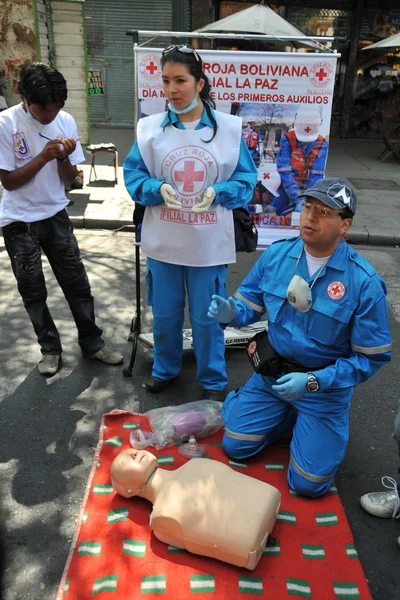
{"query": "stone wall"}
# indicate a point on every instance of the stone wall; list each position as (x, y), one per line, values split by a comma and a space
(17, 43)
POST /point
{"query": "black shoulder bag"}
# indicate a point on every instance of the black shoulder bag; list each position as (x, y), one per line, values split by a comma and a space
(246, 234)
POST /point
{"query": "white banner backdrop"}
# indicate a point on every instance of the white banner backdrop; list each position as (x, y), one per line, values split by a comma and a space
(285, 102)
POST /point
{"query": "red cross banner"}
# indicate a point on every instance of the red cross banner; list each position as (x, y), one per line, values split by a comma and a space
(285, 102)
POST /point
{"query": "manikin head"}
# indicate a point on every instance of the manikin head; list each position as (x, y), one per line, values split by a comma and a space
(131, 470)
(43, 90)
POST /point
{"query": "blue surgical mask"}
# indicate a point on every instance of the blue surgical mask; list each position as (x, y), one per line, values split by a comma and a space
(28, 116)
(182, 111)
(31, 119)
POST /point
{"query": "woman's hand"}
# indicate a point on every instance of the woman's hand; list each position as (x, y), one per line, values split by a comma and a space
(208, 199)
(169, 196)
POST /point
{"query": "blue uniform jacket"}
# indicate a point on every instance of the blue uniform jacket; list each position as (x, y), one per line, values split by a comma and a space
(343, 341)
(234, 193)
(286, 171)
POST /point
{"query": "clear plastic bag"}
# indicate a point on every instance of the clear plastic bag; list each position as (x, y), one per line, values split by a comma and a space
(173, 425)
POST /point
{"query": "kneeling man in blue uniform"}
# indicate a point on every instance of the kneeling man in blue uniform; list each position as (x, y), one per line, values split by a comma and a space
(328, 331)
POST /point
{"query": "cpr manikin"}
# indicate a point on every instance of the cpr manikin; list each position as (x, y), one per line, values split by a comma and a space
(203, 506)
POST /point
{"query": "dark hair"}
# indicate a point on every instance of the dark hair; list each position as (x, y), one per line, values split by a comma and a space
(41, 84)
(346, 213)
(196, 70)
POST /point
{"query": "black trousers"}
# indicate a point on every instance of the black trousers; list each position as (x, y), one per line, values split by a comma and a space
(54, 236)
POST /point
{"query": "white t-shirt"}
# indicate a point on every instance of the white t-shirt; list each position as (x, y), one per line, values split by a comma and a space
(20, 141)
(314, 263)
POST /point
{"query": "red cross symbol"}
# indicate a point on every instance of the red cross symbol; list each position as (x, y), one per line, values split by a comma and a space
(189, 176)
(321, 74)
(266, 175)
(336, 290)
(152, 67)
(307, 129)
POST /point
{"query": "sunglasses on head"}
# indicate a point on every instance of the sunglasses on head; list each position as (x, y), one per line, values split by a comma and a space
(184, 49)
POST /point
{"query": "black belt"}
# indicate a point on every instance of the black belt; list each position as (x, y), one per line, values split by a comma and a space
(295, 367)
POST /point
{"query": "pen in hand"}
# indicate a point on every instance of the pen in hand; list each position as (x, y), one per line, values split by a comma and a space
(47, 138)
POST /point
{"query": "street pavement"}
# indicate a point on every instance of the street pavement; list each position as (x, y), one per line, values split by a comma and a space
(49, 427)
(106, 205)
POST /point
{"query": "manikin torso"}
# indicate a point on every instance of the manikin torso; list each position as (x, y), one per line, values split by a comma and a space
(208, 508)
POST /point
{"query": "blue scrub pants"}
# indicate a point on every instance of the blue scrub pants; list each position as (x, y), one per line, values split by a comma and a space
(255, 416)
(166, 295)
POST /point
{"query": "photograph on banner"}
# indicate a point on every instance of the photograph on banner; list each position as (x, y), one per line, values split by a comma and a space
(284, 100)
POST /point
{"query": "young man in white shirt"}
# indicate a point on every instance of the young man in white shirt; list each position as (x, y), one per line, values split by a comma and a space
(39, 151)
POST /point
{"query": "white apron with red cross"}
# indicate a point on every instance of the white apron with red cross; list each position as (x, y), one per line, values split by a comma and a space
(182, 159)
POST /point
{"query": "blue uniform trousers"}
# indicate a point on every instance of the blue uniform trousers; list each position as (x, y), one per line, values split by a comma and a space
(255, 416)
(166, 295)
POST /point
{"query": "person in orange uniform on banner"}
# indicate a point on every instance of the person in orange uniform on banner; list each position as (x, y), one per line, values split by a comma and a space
(301, 159)
(189, 168)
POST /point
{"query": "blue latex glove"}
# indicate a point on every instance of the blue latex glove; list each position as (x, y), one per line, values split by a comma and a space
(222, 310)
(291, 386)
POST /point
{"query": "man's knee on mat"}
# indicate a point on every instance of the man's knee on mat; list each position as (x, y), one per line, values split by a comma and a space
(305, 487)
(239, 449)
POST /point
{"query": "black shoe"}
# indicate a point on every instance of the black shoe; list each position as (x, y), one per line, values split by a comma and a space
(156, 385)
(212, 395)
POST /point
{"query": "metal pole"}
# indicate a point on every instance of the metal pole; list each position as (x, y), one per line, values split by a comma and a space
(351, 68)
(225, 36)
(136, 321)
(135, 86)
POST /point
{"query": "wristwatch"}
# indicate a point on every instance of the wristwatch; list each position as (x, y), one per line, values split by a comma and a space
(312, 383)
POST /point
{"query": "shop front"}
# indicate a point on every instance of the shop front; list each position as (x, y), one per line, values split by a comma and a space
(367, 81)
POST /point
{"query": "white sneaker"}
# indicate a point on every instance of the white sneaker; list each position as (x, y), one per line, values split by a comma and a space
(383, 504)
(106, 355)
(49, 364)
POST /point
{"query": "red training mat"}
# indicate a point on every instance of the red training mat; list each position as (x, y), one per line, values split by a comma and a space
(115, 556)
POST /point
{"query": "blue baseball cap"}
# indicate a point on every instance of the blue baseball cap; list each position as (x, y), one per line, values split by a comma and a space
(334, 192)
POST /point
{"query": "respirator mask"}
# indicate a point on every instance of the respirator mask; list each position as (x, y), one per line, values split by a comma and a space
(299, 294)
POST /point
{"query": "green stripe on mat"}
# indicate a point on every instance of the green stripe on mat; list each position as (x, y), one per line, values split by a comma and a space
(165, 460)
(156, 584)
(102, 488)
(351, 551)
(66, 586)
(114, 441)
(285, 516)
(326, 519)
(298, 587)
(274, 466)
(134, 547)
(272, 550)
(250, 585)
(119, 514)
(130, 425)
(202, 584)
(313, 551)
(346, 590)
(174, 550)
(89, 549)
(233, 463)
(105, 584)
